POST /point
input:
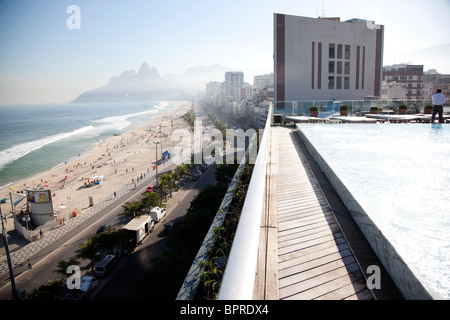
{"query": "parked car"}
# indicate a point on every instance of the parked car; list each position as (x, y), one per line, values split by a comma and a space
(103, 268)
(103, 228)
(150, 189)
(168, 226)
(87, 285)
(196, 175)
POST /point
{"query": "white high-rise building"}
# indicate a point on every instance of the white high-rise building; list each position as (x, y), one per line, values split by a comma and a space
(324, 58)
(263, 81)
(234, 80)
(213, 89)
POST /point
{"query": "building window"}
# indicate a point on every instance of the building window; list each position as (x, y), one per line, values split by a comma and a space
(331, 67)
(338, 82)
(330, 82)
(339, 67)
(339, 51)
(347, 52)
(347, 68)
(346, 82)
(331, 52)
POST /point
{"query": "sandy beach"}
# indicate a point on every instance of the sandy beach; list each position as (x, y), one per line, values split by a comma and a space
(121, 159)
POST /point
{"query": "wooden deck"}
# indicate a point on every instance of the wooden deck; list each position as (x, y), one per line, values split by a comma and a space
(313, 258)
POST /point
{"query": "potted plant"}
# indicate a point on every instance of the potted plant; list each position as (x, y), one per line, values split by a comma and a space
(343, 110)
(428, 109)
(402, 109)
(374, 110)
(314, 111)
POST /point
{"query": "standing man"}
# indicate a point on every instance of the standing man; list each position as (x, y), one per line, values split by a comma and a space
(438, 101)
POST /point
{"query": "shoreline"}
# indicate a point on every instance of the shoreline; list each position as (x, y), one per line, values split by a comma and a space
(121, 159)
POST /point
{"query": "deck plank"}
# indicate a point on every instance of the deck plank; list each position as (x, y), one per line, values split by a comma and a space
(314, 260)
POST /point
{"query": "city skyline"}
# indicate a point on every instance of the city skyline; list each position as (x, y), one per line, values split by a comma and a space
(48, 56)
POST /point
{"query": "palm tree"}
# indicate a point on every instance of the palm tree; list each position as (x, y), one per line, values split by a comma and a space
(171, 182)
(63, 265)
(108, 240)
(151, 200)
(131, 209)
(183, 171)
(164, 185)
(88, 251)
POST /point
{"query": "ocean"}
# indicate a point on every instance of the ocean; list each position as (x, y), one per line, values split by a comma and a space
(36, 138)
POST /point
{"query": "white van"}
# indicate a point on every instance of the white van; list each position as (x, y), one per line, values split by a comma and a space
(157, 213)
(105, 265)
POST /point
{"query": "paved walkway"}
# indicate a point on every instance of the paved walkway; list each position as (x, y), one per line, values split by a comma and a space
(19, 256)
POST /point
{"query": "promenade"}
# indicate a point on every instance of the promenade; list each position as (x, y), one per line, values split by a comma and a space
(21, 250)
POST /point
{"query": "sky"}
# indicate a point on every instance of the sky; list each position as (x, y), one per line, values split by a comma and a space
(44, 59)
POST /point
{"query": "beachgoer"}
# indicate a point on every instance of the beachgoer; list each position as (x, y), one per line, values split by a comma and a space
(29, 264)
(40, 233)
(438, 101)
(115, 194)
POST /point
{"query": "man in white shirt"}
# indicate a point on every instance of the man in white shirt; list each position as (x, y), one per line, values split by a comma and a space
(438, 101)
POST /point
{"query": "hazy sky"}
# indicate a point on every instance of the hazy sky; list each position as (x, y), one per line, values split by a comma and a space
(43, 61)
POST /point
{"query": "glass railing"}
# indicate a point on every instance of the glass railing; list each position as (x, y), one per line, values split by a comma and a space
(329, 108)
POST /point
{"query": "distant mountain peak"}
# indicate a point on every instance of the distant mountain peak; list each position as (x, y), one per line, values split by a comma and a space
(145, 71)
(145, 85)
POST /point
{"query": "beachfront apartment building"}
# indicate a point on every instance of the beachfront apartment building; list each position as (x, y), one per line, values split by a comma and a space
(325, 58)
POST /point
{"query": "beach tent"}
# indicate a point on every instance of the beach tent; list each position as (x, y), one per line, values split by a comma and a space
(97, 179)
(166, 155)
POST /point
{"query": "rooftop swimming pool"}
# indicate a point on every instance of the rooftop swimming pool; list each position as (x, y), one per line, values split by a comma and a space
(400, 176)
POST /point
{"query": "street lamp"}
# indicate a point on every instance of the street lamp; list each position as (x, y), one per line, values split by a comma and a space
(160, 138)
(156, 163)
(5, 242)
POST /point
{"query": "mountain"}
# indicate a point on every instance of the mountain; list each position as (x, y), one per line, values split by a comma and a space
(145, 85)
(435, 57)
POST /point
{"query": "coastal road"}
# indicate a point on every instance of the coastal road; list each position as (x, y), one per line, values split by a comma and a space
(46, 260)
(119, 284)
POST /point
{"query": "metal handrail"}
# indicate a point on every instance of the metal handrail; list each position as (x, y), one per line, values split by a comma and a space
(240, 271)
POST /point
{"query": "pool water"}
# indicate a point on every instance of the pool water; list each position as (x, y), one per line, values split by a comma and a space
(400, 176)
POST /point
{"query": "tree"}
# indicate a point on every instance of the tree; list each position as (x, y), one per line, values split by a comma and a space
(131, 209)
(108, 240)
(63, 265)
(189, 117)
(88, 251)
(225, 172)
(151, 200)
(165, 185)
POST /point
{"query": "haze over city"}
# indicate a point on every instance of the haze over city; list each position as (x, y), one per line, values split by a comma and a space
(42, 60)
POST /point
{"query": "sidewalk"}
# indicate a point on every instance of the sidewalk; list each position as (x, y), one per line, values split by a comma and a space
(19, 256)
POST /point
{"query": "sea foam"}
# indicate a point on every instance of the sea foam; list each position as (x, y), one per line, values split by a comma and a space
(18, 151)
